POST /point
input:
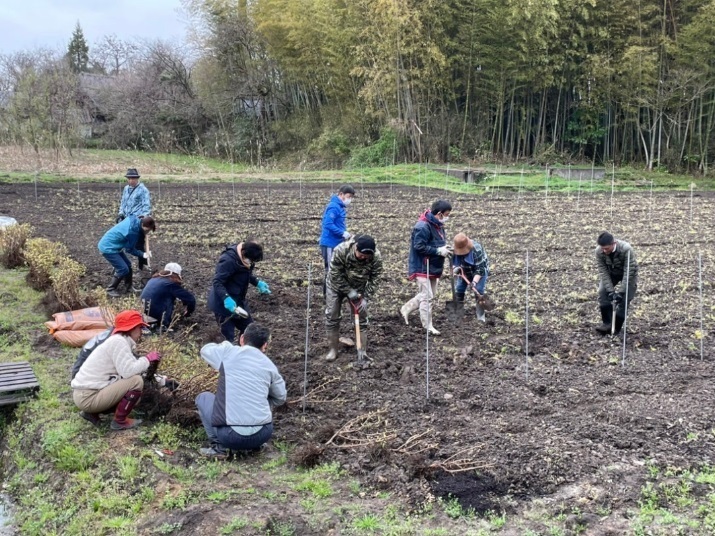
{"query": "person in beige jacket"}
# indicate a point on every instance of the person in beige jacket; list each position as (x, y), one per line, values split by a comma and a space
(111, 377)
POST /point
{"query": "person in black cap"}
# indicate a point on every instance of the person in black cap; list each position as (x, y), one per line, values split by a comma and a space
(354, 273)
(136, 201)
(618, 274)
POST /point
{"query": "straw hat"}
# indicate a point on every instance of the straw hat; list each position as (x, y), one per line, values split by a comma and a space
(462, 244)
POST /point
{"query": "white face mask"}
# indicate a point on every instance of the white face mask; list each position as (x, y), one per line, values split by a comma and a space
(347, 201)
(444, 219)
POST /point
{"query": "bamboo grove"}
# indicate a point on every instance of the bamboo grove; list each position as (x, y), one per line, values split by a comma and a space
(371, 81)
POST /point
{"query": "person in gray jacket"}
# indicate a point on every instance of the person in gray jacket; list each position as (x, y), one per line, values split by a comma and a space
(238, 416)
(618, 274)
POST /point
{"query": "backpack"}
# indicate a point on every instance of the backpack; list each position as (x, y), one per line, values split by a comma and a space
(88, 348)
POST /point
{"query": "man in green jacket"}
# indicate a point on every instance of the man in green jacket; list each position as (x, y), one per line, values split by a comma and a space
(618, 273)
(354, 274)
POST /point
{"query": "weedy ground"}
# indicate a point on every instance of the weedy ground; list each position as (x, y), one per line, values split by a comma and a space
(585, 443)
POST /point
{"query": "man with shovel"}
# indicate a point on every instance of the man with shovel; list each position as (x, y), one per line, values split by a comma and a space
(136, 201)
(618, 273)
(471, 269)
(355, 270)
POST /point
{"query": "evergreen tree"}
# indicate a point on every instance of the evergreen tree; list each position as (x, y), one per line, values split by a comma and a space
(78, 51)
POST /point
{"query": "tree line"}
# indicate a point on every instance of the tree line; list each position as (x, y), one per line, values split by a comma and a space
(371, 82)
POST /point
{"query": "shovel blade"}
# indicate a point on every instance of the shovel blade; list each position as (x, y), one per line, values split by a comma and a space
(455, 310)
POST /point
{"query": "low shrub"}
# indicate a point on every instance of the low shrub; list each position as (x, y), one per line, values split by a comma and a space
(65, 283)
(12, 244)
(42, 256)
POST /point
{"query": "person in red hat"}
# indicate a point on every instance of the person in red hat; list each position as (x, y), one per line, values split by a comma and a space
(111, 377)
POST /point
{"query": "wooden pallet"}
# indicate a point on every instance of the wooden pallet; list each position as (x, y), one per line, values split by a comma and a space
(17, 383)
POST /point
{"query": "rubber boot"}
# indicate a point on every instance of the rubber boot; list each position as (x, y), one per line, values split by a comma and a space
(607, 317)
(459, 296)
(427, 322)
(93, 418)
(333, 342)
(128, 283)
(124, 408)
(112, 288)
(619, 323)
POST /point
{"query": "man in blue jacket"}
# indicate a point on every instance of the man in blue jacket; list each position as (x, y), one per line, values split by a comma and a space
(227, 296)
(428, 249)
(334, 226)
(120, 240)
(136, 201)
(238, 416)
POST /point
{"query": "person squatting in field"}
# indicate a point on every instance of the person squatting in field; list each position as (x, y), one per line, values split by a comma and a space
(613, 257)
(160, 293)
(227, 295)
(135, 201)
(428, 249)
(334, 225)
(111, 376)
(122, 239)
(471, 261)
(354, 274)
(239, 416)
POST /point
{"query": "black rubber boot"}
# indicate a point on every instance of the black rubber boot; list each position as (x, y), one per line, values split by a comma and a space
(606, 316)
(112, 288)
(128, 283)
(459, 296)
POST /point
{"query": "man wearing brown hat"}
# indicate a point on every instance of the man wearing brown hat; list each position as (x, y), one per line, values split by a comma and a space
(136, 201)
(471, 261)
(354, 274)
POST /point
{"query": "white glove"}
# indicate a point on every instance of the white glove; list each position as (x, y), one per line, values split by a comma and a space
(444, 251)
(346, 235)
(147, 254)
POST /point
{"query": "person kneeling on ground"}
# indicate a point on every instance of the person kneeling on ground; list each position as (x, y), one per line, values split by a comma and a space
(470, 260)
(238, 416)
(160, 293)
(111, 376)
(618, 274)
(355, 271)
(120, 240)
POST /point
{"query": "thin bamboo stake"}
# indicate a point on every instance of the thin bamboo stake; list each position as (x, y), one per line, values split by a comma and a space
(700, 290)
(613, 185)
(307, 332)
(429, 320)
(546, 198)
(650, 203)
(625, 308)
(692, 184)
(526, 318)
(521, 182)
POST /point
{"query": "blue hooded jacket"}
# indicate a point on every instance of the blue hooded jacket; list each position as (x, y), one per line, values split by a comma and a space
(427, 236)
(334, 224)
(123, 236)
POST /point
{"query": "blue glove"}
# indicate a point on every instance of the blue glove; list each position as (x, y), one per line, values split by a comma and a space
(262, 287)
(230, 304)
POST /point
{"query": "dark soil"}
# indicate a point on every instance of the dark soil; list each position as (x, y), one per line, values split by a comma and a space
(574, 413)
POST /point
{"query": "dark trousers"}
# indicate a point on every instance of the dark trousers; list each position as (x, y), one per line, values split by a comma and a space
(120, 262)
(327, 254)
(229, 323)
(604, 302)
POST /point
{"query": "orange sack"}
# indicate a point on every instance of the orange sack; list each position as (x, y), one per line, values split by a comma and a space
(76, 338)
(82, 319)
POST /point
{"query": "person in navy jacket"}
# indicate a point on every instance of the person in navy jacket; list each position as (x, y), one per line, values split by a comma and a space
(120, 240)
(227, 295)
(162, 290)
(428, 249)
(334, 226)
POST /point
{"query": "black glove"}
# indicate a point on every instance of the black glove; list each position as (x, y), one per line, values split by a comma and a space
(615, 297)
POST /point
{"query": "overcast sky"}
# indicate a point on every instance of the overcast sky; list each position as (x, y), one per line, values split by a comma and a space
(27, 24)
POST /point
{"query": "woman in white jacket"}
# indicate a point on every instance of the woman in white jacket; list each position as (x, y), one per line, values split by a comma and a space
(112, 375)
